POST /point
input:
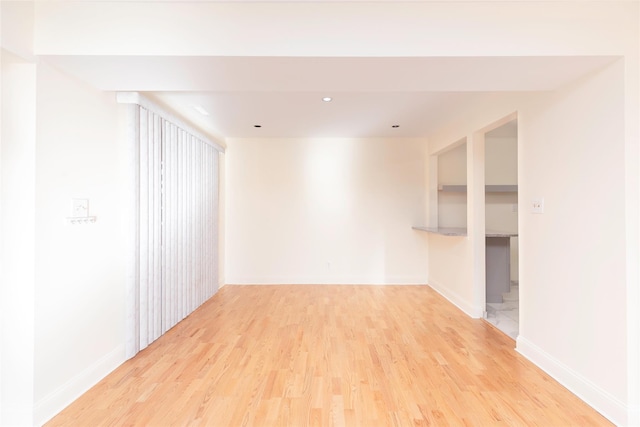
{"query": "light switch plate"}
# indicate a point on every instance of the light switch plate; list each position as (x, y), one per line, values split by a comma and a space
(537, 205)
(79, 208)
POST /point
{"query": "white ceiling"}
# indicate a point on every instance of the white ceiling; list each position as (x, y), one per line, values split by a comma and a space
(284, 94)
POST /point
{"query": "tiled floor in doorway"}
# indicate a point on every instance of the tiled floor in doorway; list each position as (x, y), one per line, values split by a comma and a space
(505, 315)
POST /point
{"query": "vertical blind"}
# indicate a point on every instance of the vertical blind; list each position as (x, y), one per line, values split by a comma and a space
(178, 224)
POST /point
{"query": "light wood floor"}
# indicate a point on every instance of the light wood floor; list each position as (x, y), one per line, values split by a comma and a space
(329, 355)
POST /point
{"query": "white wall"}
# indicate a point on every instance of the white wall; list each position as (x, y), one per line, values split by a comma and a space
(17, 165)
(1, 234)
(325, 211)
(18, 239)
(17, 27)
(573, 147)
(572, 259)
(62, 287)
(80, 269)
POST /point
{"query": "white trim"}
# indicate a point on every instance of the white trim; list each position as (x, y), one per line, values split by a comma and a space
(602, 401)
(323, 280)
(138, 99)
(50, 405)
(457, 300)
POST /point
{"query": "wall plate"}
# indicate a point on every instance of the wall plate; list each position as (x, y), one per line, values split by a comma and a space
(537, 205)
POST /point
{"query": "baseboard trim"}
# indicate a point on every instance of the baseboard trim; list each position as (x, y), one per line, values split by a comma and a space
(455, 299)
(602, 401)
(325, 281)
(47, 407)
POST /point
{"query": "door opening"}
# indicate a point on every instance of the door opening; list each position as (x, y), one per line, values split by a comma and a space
(502, 292)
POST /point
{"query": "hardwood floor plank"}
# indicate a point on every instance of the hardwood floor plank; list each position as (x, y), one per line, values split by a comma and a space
(329, 355)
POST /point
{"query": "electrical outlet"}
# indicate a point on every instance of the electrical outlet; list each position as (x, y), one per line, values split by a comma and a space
(537, 205)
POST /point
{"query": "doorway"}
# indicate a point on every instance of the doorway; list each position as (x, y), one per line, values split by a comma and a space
(501, 228)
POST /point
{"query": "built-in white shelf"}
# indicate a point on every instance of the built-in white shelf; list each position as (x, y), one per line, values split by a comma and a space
(504, 188)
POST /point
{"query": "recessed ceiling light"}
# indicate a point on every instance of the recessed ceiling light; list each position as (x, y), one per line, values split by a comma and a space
(327, 99)
(395, 126)
(257, 126)
(200, 110)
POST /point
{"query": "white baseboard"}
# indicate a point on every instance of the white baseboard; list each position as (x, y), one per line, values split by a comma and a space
(47, 407)
(322, 280)
(455, 299)
(602, 401)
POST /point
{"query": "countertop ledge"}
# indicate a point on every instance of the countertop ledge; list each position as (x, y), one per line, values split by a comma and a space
(493, 233)
(453, 231)
(445, 231)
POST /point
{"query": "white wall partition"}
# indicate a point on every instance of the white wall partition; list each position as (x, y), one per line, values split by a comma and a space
(79, 297)
(573, 290)
(177, 226)
(18, 238)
